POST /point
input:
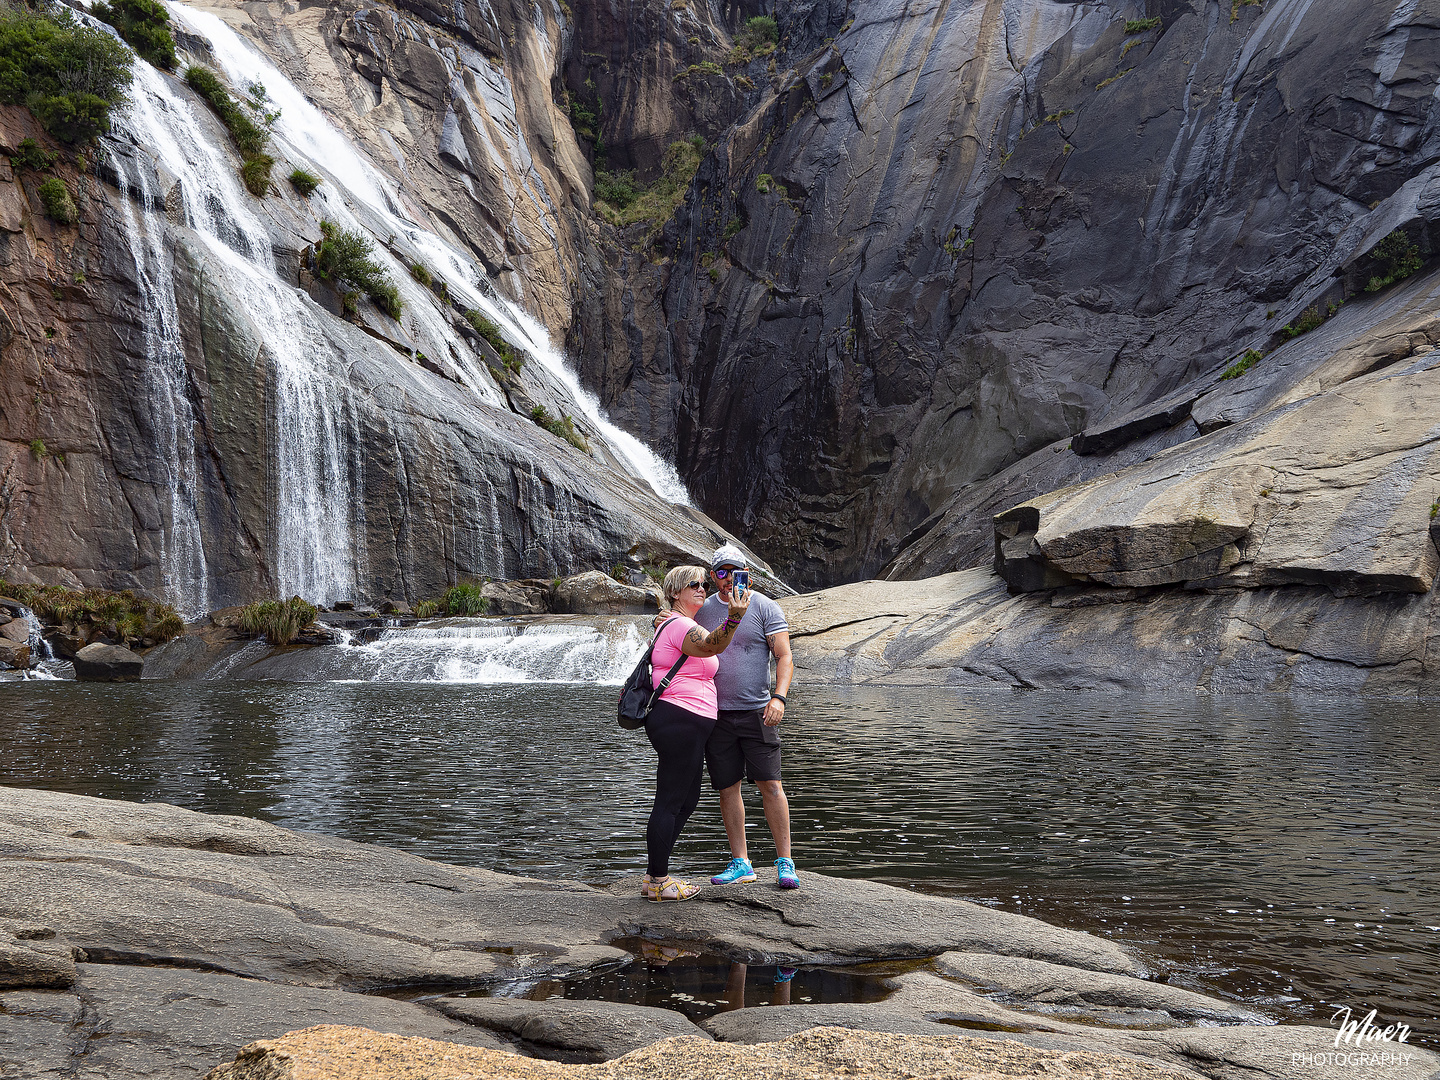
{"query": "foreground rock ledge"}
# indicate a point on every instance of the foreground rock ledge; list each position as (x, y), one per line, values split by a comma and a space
(348, 1053)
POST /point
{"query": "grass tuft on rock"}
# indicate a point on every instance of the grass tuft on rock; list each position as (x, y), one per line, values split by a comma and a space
(562, 426)
(278, 621)
(304, 182)
(491, 333)
(1244, 364)
(251, 135)
(122, 616)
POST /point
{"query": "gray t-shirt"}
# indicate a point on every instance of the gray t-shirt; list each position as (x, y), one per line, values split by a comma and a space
(743, 681)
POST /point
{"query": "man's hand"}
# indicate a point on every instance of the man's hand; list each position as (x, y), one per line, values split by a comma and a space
(774, 712)
(661, 617)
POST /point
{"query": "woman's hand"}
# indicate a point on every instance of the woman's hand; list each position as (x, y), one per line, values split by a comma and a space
(739, 604)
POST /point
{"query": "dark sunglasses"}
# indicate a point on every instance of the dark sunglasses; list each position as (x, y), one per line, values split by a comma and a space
(695, 585)
(724, 572)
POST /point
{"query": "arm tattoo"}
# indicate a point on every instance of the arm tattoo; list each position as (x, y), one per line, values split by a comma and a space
(695, 637)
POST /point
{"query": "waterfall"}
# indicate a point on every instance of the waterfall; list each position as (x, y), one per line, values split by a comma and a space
(315, 476)
(307, 131)
(472, 651)
(170, 421)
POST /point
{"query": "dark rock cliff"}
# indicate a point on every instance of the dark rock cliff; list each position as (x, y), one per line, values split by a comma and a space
(960, 233)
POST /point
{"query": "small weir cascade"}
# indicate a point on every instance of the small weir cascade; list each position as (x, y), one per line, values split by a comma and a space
(293, 449)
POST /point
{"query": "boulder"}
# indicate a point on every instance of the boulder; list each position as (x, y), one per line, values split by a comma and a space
(16, 631)
(529, 597)
(395, 607)
(14, 607)
(66, 645)
(107, 663)
(15, 656)
(571, 1030)
(594, 593)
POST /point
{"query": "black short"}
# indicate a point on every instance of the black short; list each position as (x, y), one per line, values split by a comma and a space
(741, 745)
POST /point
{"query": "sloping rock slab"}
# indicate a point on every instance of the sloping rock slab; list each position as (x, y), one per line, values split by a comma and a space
(341, 1053)
(832, 920)
(157, 884)
(1240, 641)
(573, 1031)
(121, 1021)
(1263, 503)
(1051, 984)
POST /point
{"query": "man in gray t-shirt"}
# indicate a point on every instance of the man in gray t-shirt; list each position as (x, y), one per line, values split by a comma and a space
(745, 742)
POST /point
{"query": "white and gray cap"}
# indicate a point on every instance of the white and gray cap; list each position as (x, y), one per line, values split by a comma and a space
(728, 554)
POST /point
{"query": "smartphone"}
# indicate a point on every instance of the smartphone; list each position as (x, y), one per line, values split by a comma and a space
(742, 581)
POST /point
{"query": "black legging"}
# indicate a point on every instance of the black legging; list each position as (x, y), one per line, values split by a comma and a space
(679, 738)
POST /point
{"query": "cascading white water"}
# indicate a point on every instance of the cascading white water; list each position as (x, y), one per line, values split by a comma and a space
(467, 651)
(315, 472)
(171, 420)
(305, 129)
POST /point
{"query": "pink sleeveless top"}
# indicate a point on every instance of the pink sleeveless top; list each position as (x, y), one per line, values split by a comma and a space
(693, 687)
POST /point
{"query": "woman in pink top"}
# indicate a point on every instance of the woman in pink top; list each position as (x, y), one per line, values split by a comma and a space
(681, 721)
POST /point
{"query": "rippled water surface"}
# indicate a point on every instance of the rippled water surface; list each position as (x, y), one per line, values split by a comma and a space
(1275, 850)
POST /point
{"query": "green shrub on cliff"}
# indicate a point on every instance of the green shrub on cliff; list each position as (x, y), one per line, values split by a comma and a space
(68, 74)
(58, 203)
(278, 621)
(343, 258)
(491, 333)
(251, 135)
(1398, 257)
(304, 182)
(30, 155)
(145, 25)
(122, 616)
(757, 38)
(661, 199)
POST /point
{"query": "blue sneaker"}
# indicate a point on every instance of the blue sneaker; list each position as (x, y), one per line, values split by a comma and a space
(739, 871)
(785, 873)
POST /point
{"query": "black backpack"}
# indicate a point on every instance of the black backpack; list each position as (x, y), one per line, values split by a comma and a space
(639, 693)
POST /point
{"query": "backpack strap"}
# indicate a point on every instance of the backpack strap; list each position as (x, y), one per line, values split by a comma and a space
(669, 675)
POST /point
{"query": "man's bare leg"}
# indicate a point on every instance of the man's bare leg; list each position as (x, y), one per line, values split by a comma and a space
(732, 813)
(777, 816)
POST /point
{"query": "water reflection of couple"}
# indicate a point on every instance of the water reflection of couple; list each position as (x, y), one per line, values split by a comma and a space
(718, 711)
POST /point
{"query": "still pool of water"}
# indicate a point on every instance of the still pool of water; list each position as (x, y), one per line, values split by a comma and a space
(1274, 850)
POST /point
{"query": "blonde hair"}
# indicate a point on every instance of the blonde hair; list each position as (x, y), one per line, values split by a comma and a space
(678, 578)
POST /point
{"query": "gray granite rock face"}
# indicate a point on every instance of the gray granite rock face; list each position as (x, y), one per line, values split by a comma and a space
(992, 232)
